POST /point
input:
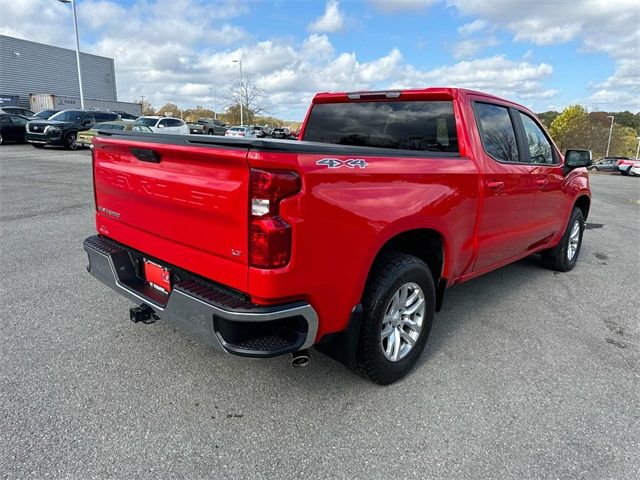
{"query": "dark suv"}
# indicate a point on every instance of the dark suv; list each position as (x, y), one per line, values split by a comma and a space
(63, 127)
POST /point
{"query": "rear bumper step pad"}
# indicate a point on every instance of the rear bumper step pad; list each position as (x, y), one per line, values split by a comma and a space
(220, 317)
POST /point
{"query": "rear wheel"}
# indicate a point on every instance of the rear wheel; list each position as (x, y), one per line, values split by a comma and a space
(398, 307)
(564, 257)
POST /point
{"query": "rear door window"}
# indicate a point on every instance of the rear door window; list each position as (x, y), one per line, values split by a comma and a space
(497, 132)
(415, 125)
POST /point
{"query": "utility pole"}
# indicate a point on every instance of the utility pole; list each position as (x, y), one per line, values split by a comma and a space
(638, 150)
(213, 95)
(142, 97)
(610, 132)
(75, 27)
(239, 62)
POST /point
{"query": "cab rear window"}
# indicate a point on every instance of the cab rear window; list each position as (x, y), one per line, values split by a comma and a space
(416, 125)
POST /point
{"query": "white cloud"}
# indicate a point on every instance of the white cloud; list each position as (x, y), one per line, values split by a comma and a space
(498, 75)
(471, 46)
(472, 27)
(396, 6)
(331, 21)
(602, 26)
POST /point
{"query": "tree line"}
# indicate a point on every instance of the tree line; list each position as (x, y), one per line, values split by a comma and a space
(574, 127)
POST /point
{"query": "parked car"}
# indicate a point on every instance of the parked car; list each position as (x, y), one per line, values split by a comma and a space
(245, 132)
(283, 133)
(12, 128)
(623, 165)
(43, 114)
(346, 240)
(208, 126)
(23, 112)
(163, 124)
(63, 127)
(261, 132)
(85, 138)
(607, 164)
(634, 171)
(126, 116)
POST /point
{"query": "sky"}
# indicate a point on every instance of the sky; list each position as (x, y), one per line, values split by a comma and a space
(544, 54)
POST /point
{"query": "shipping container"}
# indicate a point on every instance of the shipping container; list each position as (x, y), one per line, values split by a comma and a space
(9, 100)
(43, 101)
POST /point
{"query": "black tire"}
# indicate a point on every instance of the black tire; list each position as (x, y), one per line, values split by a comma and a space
(70, 141)
(391, 272)
(38, 145)
(625, 172)
(558, 258)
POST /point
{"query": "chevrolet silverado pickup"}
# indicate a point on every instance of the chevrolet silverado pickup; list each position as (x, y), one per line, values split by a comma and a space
(345, 240)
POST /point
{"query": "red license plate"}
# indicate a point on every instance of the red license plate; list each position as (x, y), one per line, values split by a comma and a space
(157, 276)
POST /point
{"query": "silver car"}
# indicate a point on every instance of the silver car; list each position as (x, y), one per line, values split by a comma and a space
(243, 132)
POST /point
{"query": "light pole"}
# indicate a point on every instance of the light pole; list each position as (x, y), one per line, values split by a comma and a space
(610, 132)
(212, 90)
(638, 150)
(75, 27)
(239, 62)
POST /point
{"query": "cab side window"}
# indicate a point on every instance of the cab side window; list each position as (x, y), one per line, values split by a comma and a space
(163, 123)
(497, 132)
(540, 149)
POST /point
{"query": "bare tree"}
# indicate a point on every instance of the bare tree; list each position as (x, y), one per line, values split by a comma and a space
(252, 98)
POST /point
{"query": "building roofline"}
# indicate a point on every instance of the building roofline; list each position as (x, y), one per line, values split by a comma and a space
(55, 46)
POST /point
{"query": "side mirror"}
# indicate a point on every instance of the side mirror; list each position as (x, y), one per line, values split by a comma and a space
(577, 159)
(86, 122)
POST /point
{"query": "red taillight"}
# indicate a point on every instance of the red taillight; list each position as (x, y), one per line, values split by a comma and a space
(270, 234)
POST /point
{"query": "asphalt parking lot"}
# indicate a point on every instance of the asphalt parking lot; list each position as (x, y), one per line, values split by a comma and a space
(528, 373)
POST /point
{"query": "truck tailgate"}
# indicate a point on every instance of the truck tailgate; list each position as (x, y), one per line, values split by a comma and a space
(186, 205)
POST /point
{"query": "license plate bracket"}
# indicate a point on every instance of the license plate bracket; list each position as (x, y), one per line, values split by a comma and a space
(157, 276)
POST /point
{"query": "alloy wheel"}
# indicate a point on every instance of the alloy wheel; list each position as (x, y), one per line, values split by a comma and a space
(402, 322)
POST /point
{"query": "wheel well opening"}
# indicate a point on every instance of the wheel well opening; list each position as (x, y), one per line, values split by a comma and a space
(583, 203)
(425, 244)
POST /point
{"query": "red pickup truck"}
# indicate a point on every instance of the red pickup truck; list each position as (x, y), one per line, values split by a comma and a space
(345, 240)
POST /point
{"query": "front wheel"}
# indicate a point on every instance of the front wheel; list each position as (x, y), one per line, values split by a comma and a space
(398, 307)
(70, 141)
(38, 145)
(564, 257)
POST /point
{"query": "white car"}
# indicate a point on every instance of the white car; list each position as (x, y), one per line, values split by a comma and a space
(163, 124)
(244, 132)
(635, 169)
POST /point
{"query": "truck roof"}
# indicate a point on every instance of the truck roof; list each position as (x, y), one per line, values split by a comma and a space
(414, 93)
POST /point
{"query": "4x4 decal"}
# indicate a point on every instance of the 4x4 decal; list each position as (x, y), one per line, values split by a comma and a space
(337, 163)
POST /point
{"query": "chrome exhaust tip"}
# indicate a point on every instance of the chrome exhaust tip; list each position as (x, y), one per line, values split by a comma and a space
(300, 359)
